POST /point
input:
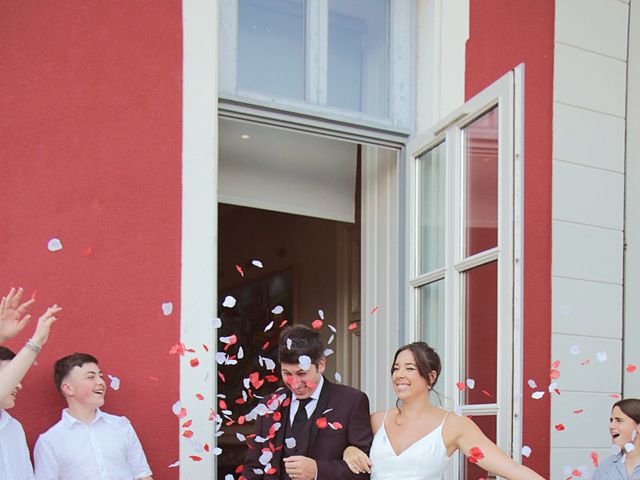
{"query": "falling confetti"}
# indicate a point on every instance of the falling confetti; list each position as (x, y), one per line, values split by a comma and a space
(54, 245)
(554, 373)
(374, 310)
(532, 383)
(269, 326)
(475, 454)
(194, 362)
(316, 324)
(167, 308)
(322, 422)
(471, 383)
(601, 356)
(277, 310)
(305, 362)
(460, 386)
(575, 350)
(352, 326)
(631, 368)
(229, 302)
(115, 382)
(239, 270)
(338, 377)
(537, 395)
(526, 451)
(559, 427)
(321, 314)
(256, 263)
(328, 352)
(291, 442)
(595, 459)
(217, 323)
(579, 411)
(289, 343)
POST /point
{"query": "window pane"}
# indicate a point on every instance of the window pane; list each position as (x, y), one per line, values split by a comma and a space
(487, 424)
(431, 321)
(481, 331)
(431, 197)
(271, 47)
(358, 55)
(481, 167)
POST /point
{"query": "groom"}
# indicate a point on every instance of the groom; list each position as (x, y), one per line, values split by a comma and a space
(302, 430)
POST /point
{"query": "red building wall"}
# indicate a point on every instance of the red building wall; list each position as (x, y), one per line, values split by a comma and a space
(503, 34)
(90, 95)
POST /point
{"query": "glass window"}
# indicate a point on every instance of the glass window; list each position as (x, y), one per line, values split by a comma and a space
(487, 424)
(481, 185)
(271, 47)
(431, 208)
(432, 314)
(481, 333)
(358, 54)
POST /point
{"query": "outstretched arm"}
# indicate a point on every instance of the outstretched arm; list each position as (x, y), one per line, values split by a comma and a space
(479, 449)
(11, 375)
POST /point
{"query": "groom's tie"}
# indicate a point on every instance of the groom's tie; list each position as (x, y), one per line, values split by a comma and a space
(301, 416)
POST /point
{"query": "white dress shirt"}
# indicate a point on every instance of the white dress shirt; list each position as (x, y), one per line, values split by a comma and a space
(310, 407)
(15, 463)
(106, 449)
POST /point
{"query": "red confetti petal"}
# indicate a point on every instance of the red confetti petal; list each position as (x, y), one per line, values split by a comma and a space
(206, 349)
(199, 396)
(194, 362)
(559, 427)
(374, 310)
(322, 422)
(153, 379)
(580, 410)
(277, 416)
(460, 386)
(239, 468)
(206, 447)
(266, 345)
(576, 473)
(283, 323)
(336, 425)
(187, 424)
(555, 364)
(487, 394)
(631, 368)
(33, 295)
(178, 348)
(271, 471)
(222, 404)
(614, 395)
(221, 375)
(233, 339)
(554, 373)
(352, 326)
(594, 458)
(241, 420)
(195, 458)
(316, 324)
(182, 413)
(239, 269)
(187, 434)
(271, 378)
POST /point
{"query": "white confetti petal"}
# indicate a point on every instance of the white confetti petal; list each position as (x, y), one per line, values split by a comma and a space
(115, 382)
(217, 323)
(229, 302)
(305, 362)
(532, 383)
(289, 343)
(338, 377)
(331, 339)
(217, 451)
(268, 327)
(291, 442)
(175, 464)
(471, 383)
(240, 436)
(526, 451)
(629, 447)
(175, 408)
(221, 357)
(575, 350)
(256, 263)
(331, 327)
(54, 245)
(328, 352)
(277, 310)
(552, 386)
(267, 362)
(228, 476)
(601, 356)
(321, 314)
(167, 308)
(240, 353)
(537, 395)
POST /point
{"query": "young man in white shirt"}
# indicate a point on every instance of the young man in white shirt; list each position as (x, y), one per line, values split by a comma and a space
(87, 443)
(15, 463)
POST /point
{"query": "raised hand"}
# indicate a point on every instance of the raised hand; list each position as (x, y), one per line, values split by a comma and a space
(12, 314)
(41, 334)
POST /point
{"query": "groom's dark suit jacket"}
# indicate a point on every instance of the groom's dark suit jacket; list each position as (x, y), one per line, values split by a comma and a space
(337, 403)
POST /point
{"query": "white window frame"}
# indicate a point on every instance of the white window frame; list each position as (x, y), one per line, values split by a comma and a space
(506, 95)
(401, 85)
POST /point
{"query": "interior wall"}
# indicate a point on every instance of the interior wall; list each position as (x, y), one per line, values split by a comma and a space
(281, 241)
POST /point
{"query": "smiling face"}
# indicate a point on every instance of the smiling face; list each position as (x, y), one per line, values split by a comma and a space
(85, 386)
(621, 428)
(302, 382)
(10, 400)
(406, 378)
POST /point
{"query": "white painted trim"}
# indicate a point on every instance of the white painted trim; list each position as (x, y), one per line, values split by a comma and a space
(379, 272)
(317, 20)
(228, 36)
(199, 230)
(631, 386)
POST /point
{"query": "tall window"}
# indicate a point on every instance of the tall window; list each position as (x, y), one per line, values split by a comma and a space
(462, 205)
(332, 57)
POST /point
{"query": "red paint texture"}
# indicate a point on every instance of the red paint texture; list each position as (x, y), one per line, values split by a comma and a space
(90, 95)
(504, 34)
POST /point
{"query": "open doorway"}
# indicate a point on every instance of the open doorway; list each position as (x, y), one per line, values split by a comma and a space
(288, 253)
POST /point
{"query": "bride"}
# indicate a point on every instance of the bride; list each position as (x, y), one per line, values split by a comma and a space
(415, 441)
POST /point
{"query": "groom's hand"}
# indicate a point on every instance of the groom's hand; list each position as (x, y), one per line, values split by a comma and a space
(301, 468)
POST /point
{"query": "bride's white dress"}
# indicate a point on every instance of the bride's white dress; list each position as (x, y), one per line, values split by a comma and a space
(426, 459)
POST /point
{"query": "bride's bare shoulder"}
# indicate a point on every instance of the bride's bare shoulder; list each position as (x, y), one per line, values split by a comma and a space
(376, 420)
